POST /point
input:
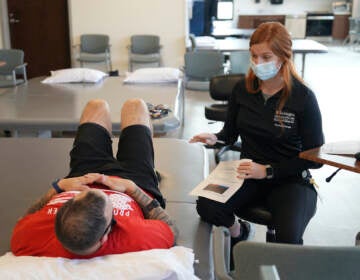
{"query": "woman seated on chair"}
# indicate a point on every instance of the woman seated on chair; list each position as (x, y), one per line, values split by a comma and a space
(276, 117)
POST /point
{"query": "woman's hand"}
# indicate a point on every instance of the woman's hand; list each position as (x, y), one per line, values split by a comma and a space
(207, 138)
(251, 170)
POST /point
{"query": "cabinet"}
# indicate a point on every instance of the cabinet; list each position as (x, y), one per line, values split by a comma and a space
(253, 21)
(296, 25)
(340, 28)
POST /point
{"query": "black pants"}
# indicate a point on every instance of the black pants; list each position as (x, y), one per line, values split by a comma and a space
(92, 153)
(291, 202)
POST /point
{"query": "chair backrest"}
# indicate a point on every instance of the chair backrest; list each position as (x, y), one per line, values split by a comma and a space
(94, 43)
(193, 42)
(354, 25)
(295, 262)
(204, 65)
(222, 86)
(239, 62)
(145, 44)
(12, 58)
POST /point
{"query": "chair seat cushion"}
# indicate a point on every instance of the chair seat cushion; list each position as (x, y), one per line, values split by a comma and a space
(257, 214)
(9, 83)
(216, 112)
(152, 57)
(93, 57)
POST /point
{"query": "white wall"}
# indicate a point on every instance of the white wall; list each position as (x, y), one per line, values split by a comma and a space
(122, 18)
(356, 8)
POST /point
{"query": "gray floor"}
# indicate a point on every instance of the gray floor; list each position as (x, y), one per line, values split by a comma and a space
(334, 78)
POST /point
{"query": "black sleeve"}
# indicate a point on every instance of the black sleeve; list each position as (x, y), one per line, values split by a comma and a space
(310, 130)
(228, 132)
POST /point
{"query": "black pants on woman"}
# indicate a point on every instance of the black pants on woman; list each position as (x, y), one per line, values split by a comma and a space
(292, 203)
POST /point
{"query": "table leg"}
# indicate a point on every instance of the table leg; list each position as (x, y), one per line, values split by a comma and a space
(303, 65)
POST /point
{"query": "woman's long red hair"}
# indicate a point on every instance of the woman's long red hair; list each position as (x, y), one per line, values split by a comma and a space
(279, 41)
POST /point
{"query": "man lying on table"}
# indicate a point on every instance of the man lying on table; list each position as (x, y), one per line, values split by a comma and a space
(105, 205)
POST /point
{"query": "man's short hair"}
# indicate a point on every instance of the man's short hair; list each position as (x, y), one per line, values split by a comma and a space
(80, 223)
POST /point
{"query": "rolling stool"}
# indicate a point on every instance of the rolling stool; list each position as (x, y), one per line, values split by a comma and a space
(260, 215)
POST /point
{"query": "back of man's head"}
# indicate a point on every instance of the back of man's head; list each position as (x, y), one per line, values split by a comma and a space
(80, 222)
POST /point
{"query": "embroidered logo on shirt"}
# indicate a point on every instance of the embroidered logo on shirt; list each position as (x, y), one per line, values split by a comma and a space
(121, 204)
(63, 197)
(284, 119)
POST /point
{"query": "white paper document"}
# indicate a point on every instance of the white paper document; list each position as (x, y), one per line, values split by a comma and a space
(221, 183)
(342, 148)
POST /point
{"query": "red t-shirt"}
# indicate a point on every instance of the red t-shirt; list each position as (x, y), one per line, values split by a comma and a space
(34, 234)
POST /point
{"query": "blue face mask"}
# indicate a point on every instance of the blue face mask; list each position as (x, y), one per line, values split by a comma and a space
(265, 71)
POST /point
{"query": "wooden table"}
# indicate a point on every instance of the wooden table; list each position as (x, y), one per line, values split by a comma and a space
(346, 162)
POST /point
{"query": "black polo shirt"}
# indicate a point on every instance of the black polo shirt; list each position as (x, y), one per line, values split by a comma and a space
(270, 138)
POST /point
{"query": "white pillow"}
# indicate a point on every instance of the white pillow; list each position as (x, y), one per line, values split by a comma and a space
(153, 75)
(75, 75)
(174, 263)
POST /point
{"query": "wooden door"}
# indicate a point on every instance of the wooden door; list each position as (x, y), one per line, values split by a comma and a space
(41, 29)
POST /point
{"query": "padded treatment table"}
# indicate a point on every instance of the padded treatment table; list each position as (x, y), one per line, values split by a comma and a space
(29, 165)
(37, 109)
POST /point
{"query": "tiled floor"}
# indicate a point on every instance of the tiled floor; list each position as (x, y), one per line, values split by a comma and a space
(334, 77)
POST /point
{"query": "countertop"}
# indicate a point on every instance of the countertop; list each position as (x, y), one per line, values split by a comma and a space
(266, 12)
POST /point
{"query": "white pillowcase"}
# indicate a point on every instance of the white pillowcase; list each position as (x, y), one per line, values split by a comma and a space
(75, 75)
(174, 263)
(154, 75)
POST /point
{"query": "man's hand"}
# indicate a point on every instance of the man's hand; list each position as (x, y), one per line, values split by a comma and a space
(76, 183)
(114, 183)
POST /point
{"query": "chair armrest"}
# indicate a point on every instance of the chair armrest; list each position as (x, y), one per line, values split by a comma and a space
(221, 253)
(21, 65)
(269, 272)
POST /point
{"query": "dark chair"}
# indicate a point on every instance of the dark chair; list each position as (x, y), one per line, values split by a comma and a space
(221, 88)
(259, 214)
(12, 65)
